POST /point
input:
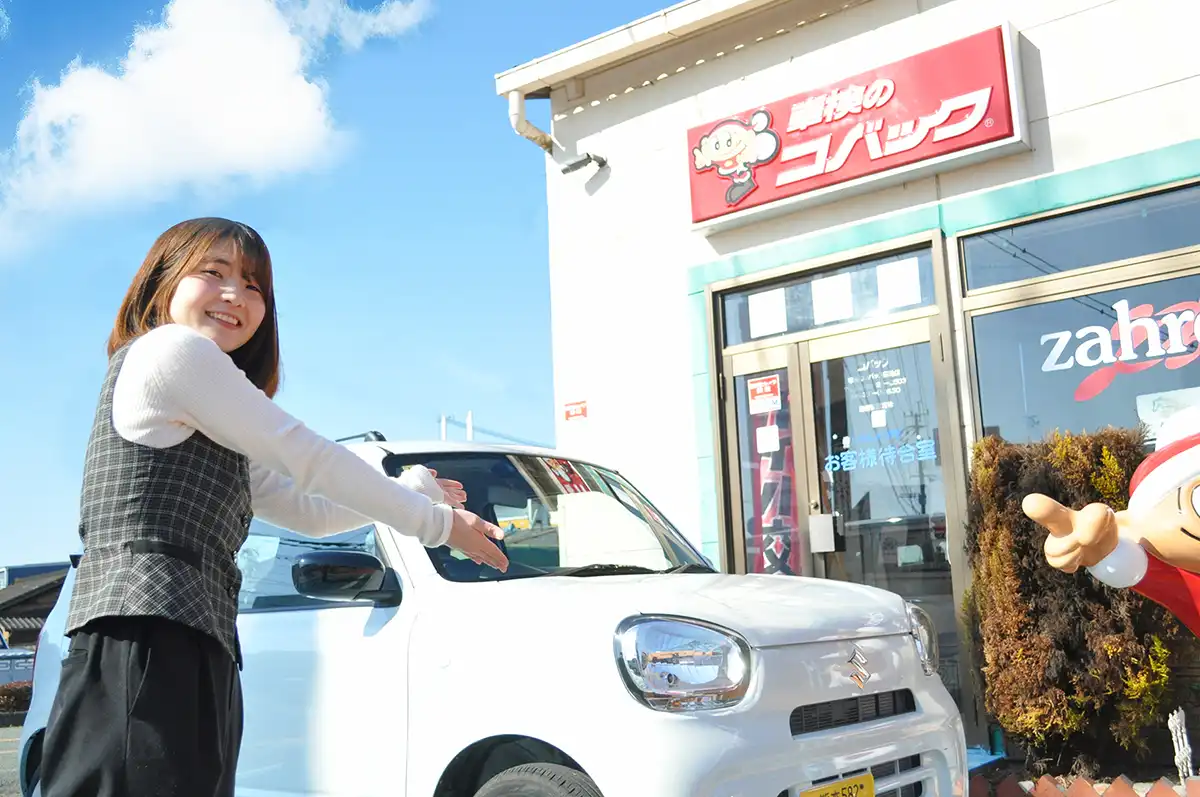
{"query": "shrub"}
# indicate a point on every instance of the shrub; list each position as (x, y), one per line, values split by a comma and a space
(15, 696)
(1074, 672)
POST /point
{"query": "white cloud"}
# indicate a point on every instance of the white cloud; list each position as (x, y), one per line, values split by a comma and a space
(3, 22)
(315, 20)
(220, 91)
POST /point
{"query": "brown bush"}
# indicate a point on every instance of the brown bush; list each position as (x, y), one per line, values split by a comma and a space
(15, 696)
(1073, 671)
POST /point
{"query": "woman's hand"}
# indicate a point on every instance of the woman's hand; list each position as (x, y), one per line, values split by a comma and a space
(455, 493)
(470, 534)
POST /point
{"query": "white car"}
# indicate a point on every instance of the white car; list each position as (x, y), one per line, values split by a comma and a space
(610, 659)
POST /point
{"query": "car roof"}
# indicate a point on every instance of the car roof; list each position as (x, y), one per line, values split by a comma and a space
(455, 447)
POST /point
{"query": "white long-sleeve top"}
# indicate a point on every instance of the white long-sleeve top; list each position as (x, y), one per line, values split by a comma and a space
(175, 382)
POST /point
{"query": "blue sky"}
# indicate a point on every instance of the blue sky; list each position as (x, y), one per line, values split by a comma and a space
(366, 143)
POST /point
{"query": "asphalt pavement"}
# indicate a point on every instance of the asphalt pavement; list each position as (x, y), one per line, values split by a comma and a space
(8, 762)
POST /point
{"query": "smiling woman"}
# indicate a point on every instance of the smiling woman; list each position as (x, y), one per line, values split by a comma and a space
(187, 447)
(216, 279)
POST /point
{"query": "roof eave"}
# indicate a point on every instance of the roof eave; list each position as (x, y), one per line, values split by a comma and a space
(537, 77)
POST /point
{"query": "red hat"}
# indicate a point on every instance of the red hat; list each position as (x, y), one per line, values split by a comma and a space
(1176, 459)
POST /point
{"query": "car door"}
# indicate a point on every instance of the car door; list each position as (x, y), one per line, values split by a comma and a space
(323, 683)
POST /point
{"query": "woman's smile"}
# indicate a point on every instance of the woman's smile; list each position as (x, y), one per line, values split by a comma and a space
(224, 319)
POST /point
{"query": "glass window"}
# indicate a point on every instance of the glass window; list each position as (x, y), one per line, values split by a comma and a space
(562, 517)
(266, 559)
(1112, 358)
(873, 289)
(1105, 234)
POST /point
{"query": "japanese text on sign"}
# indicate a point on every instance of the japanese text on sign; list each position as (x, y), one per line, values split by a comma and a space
(865, 458)
(902, 137)
(840, 103)
(764, 395)
(878, 387)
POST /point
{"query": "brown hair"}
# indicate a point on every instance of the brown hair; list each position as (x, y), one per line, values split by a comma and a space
(176, 254)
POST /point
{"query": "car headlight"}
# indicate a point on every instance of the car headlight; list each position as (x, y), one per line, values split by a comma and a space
(681, 664)
(924, 634)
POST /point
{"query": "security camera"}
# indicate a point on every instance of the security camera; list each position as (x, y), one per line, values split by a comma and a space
(576, 164)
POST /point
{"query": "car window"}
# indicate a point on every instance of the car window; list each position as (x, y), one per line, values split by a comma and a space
(557, 514)
(266, 559)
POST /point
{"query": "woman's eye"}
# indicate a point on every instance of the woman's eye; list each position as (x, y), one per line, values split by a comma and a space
(1196, 499)
(254, 288)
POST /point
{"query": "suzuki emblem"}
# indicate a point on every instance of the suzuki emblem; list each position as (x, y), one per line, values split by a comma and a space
(858, 668)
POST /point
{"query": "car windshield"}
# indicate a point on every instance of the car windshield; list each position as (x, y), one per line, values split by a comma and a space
(560, 517)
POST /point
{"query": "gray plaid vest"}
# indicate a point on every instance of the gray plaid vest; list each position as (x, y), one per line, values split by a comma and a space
(161, 528)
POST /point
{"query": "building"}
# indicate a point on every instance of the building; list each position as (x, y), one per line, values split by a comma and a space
(25, 605)
(11, 574)
(820, 247)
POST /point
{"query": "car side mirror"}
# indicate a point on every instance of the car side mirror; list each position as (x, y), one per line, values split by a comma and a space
(345, 576)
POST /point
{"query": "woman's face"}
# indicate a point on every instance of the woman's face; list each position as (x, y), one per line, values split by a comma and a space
(218, 300)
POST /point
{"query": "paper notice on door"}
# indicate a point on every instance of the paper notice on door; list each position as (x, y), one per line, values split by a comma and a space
(768, 313)
(767, 439)
(832, 299)
(878, 419)
(764, 395)
(898, 283)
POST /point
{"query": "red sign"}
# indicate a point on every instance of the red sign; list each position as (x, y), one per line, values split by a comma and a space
(943, 101)
(764, 395)
(575, 410)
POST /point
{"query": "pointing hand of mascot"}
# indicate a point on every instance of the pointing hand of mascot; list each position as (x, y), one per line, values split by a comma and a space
(1077, 537)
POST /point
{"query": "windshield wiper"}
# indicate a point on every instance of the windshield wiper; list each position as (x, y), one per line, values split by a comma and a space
(691, 567)
(630, 570)
(604, 570)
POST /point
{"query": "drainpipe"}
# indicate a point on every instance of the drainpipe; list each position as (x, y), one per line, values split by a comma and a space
(522, 126)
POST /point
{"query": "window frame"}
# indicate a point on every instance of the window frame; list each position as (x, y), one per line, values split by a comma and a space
(1085, 279)
(1113, 277)
(920, 247)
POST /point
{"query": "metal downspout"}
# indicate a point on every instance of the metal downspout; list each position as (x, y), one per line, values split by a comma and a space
(522, 126)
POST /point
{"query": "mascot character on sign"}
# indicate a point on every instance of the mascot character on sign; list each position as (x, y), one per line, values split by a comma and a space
(1153, 547)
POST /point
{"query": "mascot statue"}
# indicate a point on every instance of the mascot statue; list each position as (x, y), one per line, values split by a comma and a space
(1153, 547)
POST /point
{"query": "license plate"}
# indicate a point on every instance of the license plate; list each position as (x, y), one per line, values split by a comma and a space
(858, 786)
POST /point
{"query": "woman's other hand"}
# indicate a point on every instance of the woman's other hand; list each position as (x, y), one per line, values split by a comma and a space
(473, 536)
(455, 494)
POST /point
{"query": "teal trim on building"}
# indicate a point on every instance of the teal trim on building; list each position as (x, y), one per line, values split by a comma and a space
(953, 216)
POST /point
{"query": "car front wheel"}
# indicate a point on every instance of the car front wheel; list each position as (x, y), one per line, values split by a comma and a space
(539, 780)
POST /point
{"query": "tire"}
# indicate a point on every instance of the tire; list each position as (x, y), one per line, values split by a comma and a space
(539, 780)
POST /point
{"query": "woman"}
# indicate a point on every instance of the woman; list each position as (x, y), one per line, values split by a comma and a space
(187, 445)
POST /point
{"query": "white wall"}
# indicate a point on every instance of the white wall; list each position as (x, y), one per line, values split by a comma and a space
(1102, 79)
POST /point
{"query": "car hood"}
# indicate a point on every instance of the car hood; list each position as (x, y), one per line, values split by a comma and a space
(767, 610)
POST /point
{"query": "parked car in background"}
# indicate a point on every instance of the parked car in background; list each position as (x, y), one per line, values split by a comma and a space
(610, 659)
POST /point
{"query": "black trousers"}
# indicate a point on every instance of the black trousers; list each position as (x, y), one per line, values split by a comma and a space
(146, 707)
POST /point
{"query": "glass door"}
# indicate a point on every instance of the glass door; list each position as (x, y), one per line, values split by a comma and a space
(770, 524)
(844, 426)
(871, 403)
